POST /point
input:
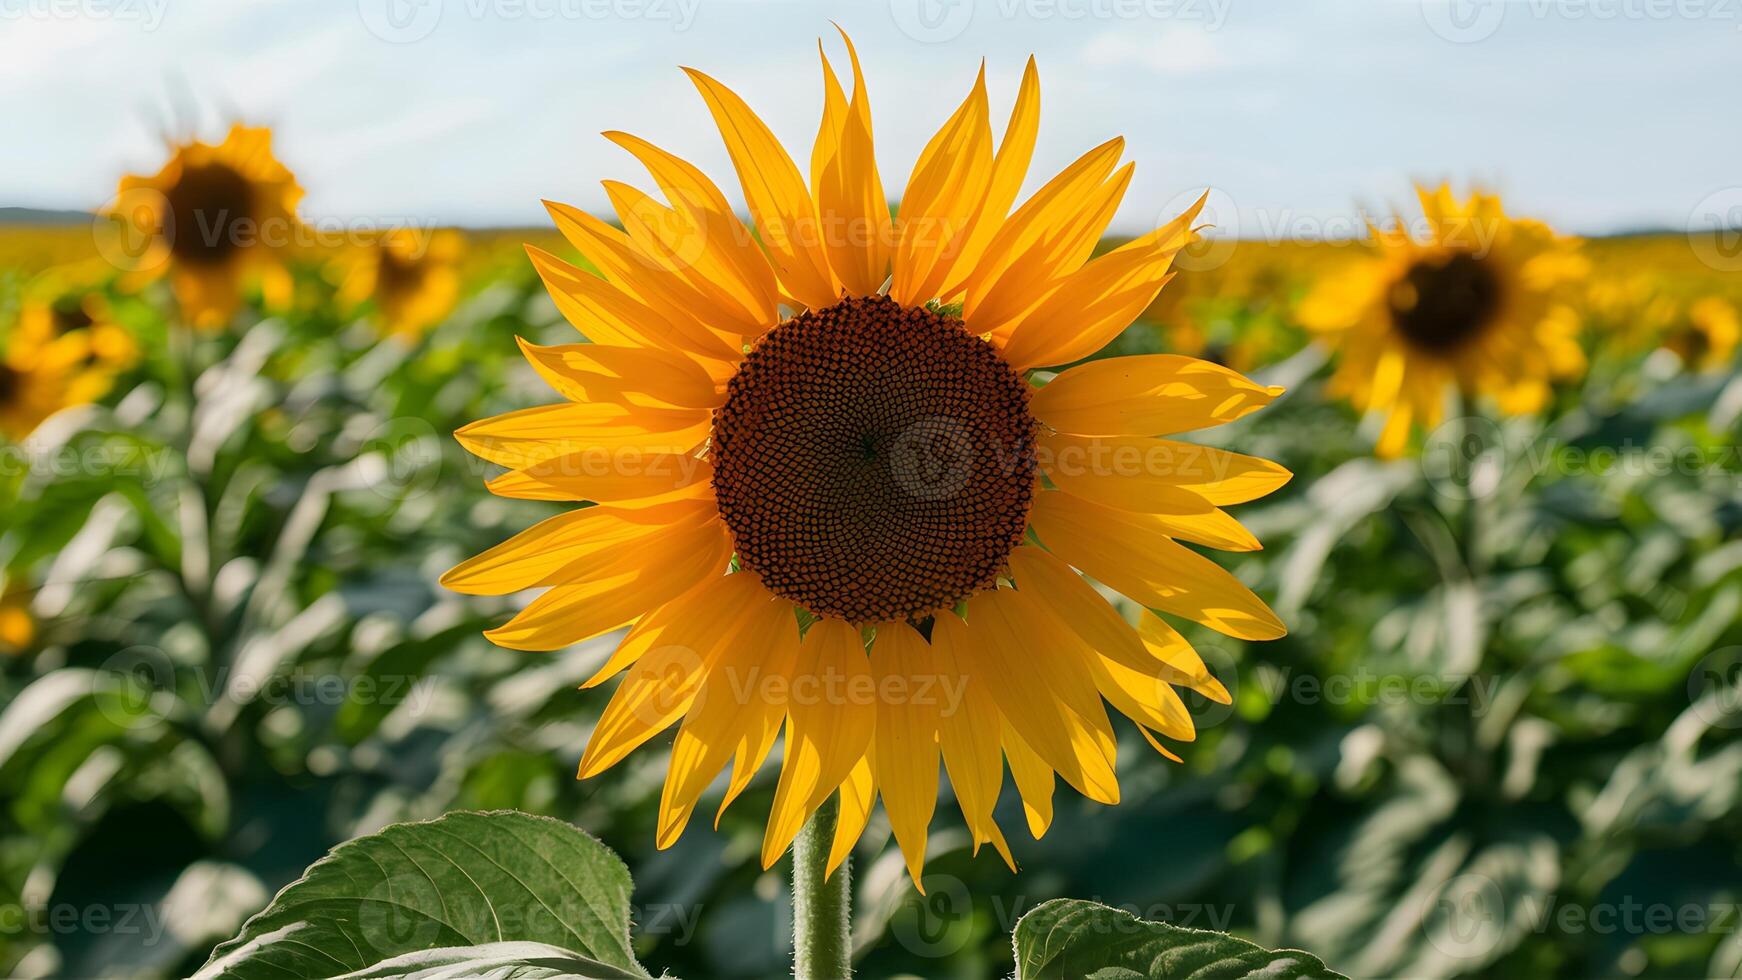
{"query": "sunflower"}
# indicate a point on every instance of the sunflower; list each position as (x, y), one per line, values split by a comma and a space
(83, 315)
(413, 278)
(39, 379)
(1475, 304)
(17, 625)
(1707, 340)
(214, 217)
(829, 497)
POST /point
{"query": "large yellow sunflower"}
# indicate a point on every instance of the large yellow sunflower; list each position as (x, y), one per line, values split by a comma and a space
(1474, 302)
(214, 218)
(826, 500)
(413, 277)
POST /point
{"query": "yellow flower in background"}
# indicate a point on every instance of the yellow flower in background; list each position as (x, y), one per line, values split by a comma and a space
(83, 315)
(1475, 304)
(1707, 340)
(412, 275)
(39, 379)
(17, 625)
(214, 218)
(861, 522)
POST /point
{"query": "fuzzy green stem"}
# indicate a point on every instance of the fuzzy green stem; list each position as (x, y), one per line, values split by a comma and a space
(821, 941)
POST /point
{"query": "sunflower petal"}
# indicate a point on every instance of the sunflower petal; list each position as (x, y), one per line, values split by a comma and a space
(858, 793)
(612, 595)
(533, 435)
(591, 372)
(1009, 169)
(1162, 574)
(1145, 395)
(778, 199)
(829, 726)
(968, 729)
(1051, 702)
(851, 206)
(661, 684)
(730, 712)
(905, 757)
(1034, 781)
(944, 194)
(623, 476)
(1149, 507)
(1138, 472)
(1095, 303)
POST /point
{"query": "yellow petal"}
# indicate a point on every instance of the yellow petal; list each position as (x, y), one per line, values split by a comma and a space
(616, 594)
(1059, 250)
(1097, 302)
(589, 372)
(830, 718)
(1033, 781)
(1148, 506)
(567, 546)
(968, 730)
(1046, 697)
(857, 795)
(778, 199)
(605, 314)
(677, 243)
(943, 196)
(1161, 574)
(743, 695)
(1181, 664)
(742, 269)
(533, 435)
(1146, 395)
(1126, 470)
(662, 684)
(622, 476)
(851, 206)
(1009, 168)
(905, 757)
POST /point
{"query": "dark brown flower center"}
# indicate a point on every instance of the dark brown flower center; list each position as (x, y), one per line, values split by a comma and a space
(211, 208)
(68, 314)
(9, 383)
(397, 275)
(1444, 302)
(874, 461)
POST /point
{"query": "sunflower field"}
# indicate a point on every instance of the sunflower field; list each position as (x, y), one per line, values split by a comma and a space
(1472, 708)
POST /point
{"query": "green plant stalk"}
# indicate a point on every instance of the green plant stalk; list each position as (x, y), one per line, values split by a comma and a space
(822, 946)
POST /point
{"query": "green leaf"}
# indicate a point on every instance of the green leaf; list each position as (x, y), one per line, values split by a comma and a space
(493, 961)
(1068, 939)
(464, 880)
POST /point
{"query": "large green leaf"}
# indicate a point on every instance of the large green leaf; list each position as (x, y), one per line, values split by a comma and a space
(464, 880)
(1067, 939)
(493, 961)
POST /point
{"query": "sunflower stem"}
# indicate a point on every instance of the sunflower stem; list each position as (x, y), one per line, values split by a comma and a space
(821, 940)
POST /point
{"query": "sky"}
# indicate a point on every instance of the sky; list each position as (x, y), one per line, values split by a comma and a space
(1298, 115)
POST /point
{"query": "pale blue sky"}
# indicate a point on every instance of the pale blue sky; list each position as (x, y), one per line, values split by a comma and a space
(1595, 114)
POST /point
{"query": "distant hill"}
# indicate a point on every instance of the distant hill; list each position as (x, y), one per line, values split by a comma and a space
(38, 216)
